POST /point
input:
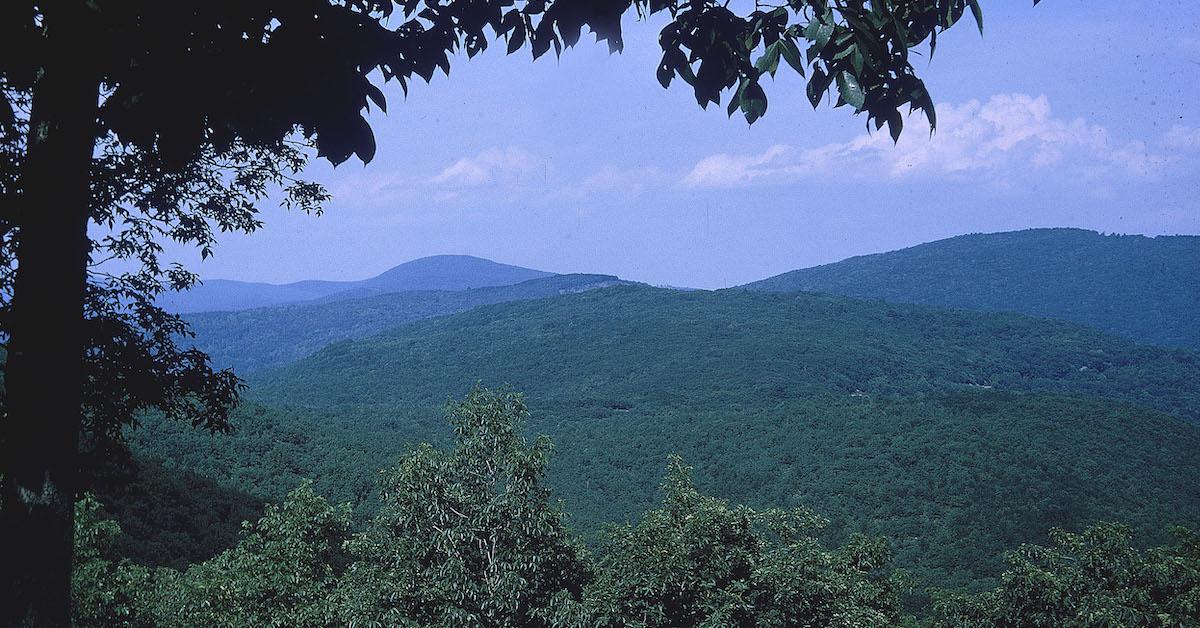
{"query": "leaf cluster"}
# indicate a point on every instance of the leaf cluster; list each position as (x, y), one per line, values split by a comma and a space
(697, 561)
(180, 79)
(138, 356)
(1092, 578)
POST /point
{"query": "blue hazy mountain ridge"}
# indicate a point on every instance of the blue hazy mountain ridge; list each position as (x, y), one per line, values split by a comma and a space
(1143, 288)
(251, 339)
(438, 272)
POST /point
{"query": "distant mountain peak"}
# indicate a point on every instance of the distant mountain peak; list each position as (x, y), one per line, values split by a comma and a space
(457, 272)
(435, 272)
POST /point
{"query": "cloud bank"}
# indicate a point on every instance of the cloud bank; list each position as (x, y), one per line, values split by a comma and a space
(1003, 139)
(510, 165)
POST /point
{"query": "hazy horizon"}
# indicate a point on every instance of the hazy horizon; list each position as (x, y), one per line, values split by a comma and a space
(373, 273)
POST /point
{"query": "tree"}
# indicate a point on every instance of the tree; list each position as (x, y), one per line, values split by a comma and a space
(103, 592)
(134, 357)
(283, 572)
(1093, 578)
(468, 537)
(191, 90)
(697, 561)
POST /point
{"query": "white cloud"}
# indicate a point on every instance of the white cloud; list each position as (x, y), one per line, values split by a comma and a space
(631, 181)
(1007, 137)
(723, 170)
(465, 180)
(509, 165)
(1182, 138)
(372, 187)
(1011, 133)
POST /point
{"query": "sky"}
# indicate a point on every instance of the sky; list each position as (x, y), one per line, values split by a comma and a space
(1080, 113)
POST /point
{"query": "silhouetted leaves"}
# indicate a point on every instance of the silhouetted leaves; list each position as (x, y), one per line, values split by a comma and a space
(138, 356)
(181, 77)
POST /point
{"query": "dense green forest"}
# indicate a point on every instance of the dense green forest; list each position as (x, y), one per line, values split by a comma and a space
(1144, 288)
(169, 517)
(951, 482)
(254, 338)
(631, 349)
(470, 535)
(955, 435)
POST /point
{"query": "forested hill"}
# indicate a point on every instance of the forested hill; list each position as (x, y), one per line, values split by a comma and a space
(439, 272)
(1144, 288)
(250, 339)
(956, 434)
(630, 344)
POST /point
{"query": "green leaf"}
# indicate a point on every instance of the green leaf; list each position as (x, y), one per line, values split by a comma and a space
(791, 54)
(810, 31)
(754, 102)
(665, 74)
(543, 36)
(769, 62)
(818, 32)
(824, 33)
(817, 86)
(850, 90)
(376, 96)
(685, 70)
(751, 41)
(672, 62)
(736, 99)
(895, 125)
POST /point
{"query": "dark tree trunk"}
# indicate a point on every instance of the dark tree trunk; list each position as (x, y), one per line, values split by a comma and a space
(44, 372)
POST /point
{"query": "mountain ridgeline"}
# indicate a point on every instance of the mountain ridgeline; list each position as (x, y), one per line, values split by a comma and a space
(438, 272)
(633, 343)
(1143, 288)
(247, 340)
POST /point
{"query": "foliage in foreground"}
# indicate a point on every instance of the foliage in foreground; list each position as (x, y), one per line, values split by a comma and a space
(1094, 578)
(696, 561)
(470, 536)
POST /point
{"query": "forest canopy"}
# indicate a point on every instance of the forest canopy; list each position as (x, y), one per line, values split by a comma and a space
(471, 536)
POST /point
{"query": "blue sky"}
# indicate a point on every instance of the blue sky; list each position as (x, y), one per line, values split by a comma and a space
(1078, 113)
